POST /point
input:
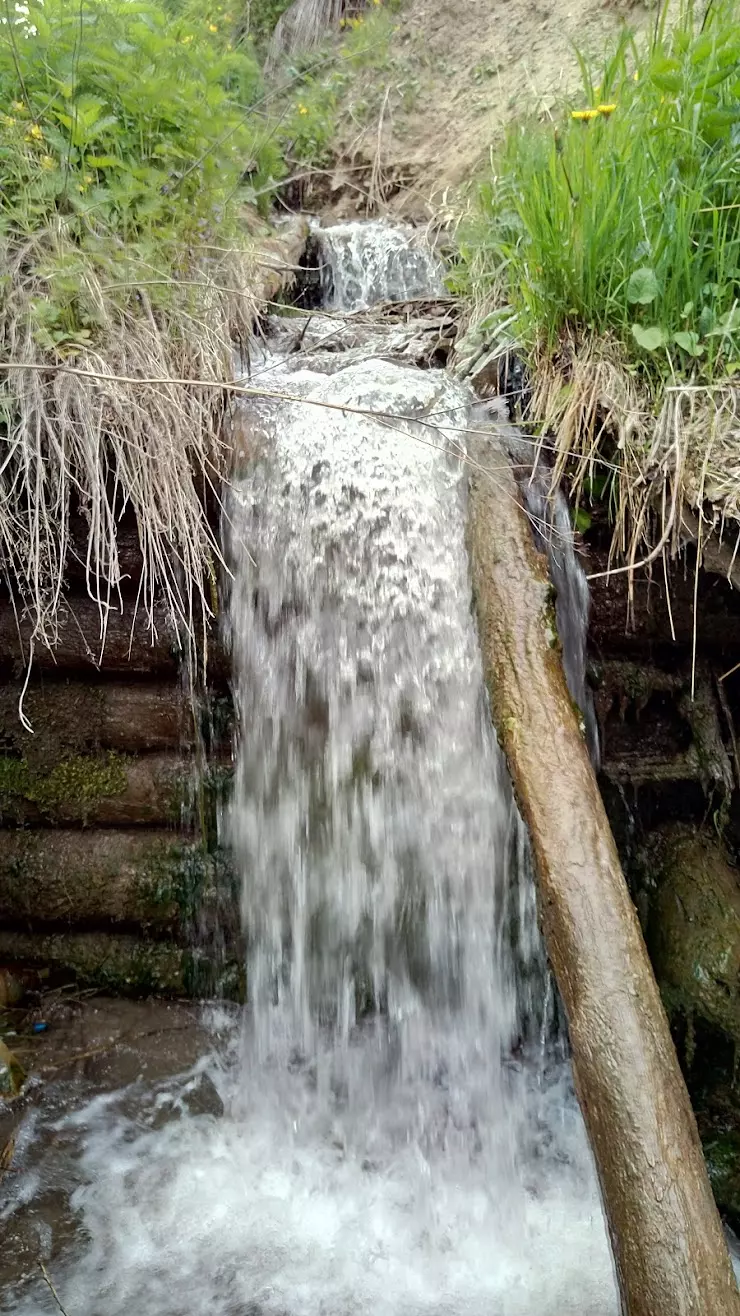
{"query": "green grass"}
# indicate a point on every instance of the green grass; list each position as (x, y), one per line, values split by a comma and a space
(626, 222)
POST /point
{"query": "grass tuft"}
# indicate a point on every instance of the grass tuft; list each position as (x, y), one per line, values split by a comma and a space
(613, 233)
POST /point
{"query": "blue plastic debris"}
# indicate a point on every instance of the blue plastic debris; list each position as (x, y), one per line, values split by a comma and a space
(39, 1027)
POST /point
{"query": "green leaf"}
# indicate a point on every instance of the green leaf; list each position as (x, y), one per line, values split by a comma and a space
(666, 74)
(642, 286)
(729, 323)
(581, 520)
(104, 162)
(651, 337)
(688, 342)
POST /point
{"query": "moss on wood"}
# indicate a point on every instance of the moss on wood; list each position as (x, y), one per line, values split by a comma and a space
(127, 965)
(150, 880)
(74, 784)
(694, 927)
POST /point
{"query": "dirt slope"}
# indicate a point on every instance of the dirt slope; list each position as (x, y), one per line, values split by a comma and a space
(460, 69)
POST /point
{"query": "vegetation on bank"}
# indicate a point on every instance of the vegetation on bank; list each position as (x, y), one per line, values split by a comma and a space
(127, 134)
(138, 145)
(612, 236)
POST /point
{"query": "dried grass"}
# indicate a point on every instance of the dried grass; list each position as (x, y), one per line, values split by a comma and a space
(676, 475)
(104, 447)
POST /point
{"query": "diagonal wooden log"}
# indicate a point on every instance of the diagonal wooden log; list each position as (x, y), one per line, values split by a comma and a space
(666, 1235)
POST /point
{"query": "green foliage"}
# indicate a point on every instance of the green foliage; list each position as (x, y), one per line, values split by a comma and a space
(126, 133)
(624, 219)
(323, 80)
(261, 17)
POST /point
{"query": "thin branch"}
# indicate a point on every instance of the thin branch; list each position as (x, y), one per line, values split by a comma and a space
(52, 1290)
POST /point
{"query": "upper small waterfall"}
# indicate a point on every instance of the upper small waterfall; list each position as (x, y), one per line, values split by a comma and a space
(367, 263)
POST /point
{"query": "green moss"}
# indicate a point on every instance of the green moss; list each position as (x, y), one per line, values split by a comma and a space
(191, 878)
(198, 798)
(694, 929)
(206, 977)
(81, 780)
(722, 1155)
(549, 619)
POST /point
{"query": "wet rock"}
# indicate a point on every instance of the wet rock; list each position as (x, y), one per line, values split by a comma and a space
(201, 1097)
(129, 965)
(694, 927)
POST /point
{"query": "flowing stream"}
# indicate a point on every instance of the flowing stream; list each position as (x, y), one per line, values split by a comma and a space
(399, 1135)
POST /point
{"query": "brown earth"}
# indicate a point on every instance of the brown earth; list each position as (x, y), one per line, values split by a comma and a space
(457, 73)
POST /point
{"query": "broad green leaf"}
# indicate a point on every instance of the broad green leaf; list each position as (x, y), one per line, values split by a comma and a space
(688, 342)
(642, 286)
(666, 73)
(651, 338)
(729, 323)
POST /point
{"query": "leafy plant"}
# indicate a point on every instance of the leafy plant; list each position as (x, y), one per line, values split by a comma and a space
(130, 136)
(623, 220)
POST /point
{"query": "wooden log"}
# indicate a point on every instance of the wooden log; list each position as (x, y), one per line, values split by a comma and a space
(124, 965)
(155, 881)
(128, 645)
(670, 1253)
(79, 717)
(105, 790)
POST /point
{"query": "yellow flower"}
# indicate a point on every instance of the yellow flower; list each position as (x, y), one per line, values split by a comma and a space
(606, 109)
(302, 109)
(635, 76)
(8, 120)
(186, 40)
(89, 178)
(48, 162)
(34, 133)
(212, 27)
(584, 114)
(18, 106)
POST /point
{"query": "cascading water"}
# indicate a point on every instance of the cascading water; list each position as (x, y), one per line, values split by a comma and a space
(551, 519)
(367, 263)
(393, 1143)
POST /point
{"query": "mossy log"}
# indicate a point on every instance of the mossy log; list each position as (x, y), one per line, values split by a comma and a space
(149, 880)
(71, 717)
(102, 790)
(125, 965)
(128, 645)
(669, 1249)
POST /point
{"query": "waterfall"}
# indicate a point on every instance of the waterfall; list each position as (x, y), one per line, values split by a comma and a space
(367, 263)
(400, 1138)
(551, 518)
